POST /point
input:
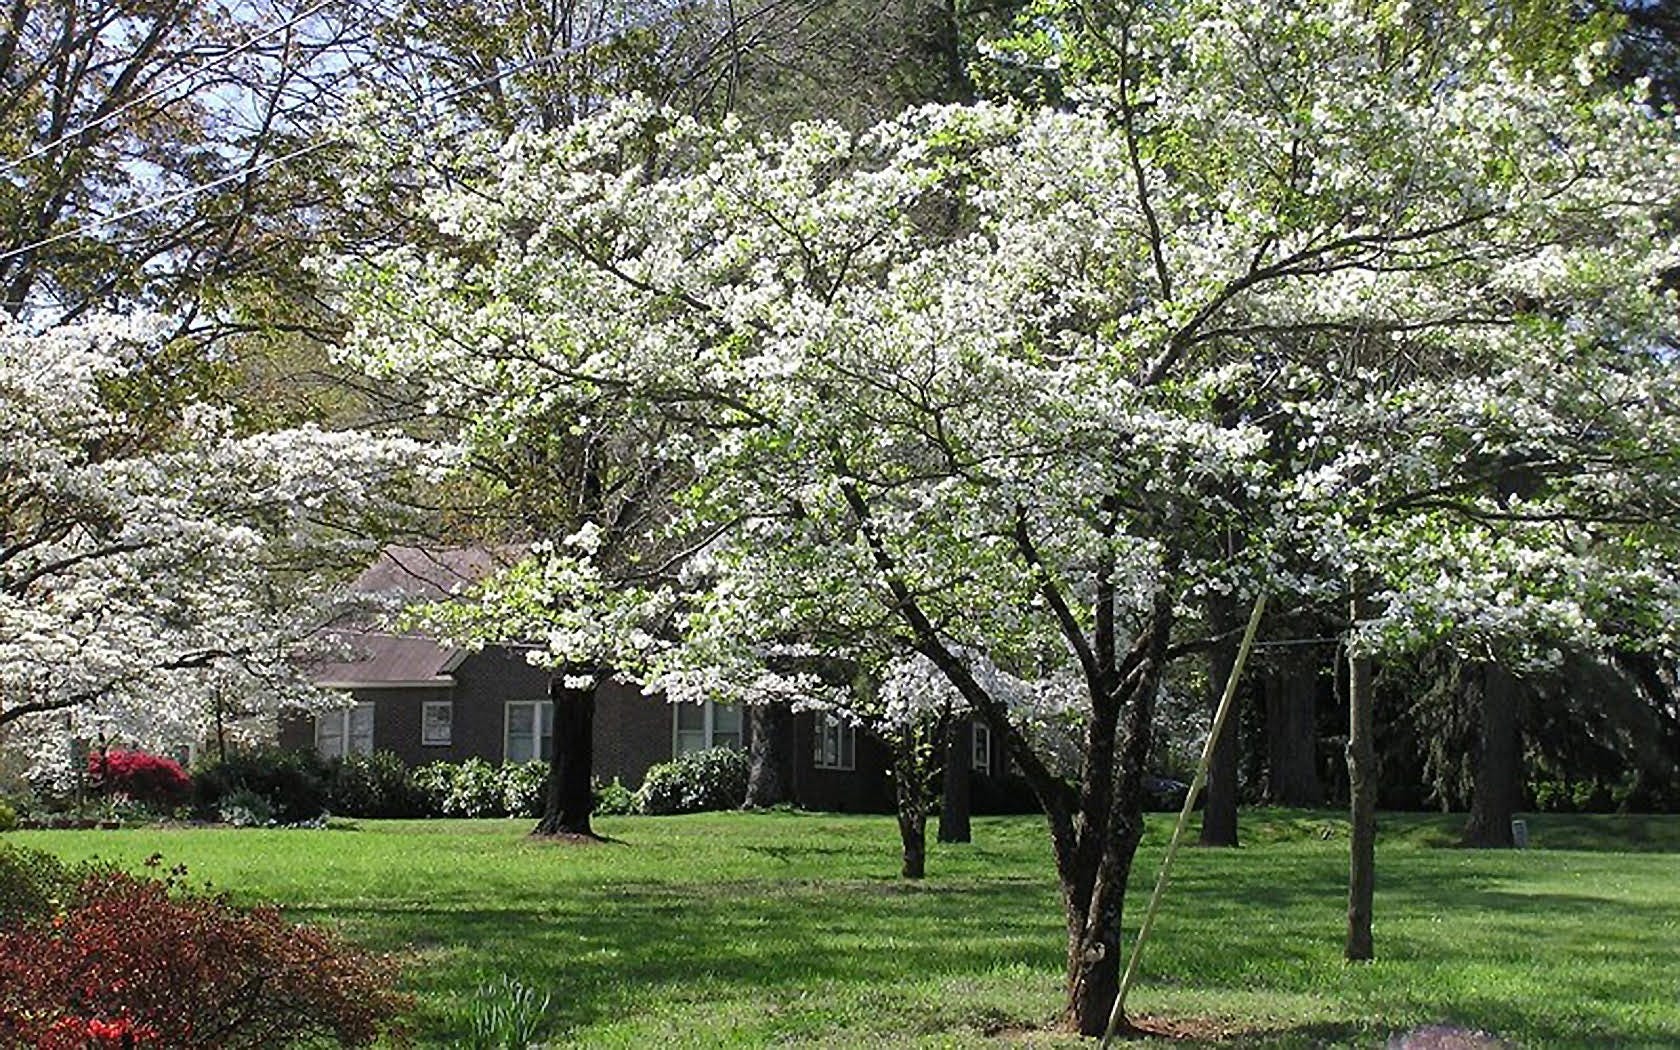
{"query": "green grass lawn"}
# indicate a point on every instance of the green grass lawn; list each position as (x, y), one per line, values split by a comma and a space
(792, 929)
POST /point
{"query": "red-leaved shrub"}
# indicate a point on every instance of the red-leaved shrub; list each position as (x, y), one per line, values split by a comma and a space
(142, 776)
(138, 962)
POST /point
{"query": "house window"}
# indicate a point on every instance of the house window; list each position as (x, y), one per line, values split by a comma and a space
(346, 732)
(530, 731)
(437, 723)
(835, 744)
(982, 756)
(705, 725)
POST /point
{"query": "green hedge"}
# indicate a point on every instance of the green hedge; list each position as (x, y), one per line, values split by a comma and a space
(295, 785)
(287, 787)
(700, 780)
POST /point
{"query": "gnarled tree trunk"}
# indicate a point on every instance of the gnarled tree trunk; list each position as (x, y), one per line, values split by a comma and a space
(570, 799)
(1096, 840)
(1094, 827)
(768, 752)
(909, 782)
(912, 833)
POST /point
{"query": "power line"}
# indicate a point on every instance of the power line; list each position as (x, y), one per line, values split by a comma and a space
(141, 209)
(255, 169)
(104, 118)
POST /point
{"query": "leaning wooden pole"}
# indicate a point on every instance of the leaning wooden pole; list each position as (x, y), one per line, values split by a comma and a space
(1226, 702)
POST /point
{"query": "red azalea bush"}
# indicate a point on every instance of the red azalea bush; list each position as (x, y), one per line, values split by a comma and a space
(143, 777)
(138, 962)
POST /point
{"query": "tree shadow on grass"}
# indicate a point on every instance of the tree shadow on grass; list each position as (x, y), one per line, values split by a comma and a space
(1491, 945)
(1460, 941)
(627, 949)
(1598, 832)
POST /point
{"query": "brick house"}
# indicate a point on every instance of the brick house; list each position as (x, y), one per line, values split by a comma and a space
(427, 702)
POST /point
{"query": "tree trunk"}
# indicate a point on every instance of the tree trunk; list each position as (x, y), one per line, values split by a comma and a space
(955, 797)
(221, 729)
(1095, 871)
(1219, 816)
(1094, 921)
(768, 755)
(570, 799)
(1094, 884)
(912, 804)
(1292, 735)
(1362, 794)
(1496, 785)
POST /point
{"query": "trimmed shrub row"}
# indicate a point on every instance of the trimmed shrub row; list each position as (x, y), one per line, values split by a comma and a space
(265, 786)
(475, 788)
(289, 787)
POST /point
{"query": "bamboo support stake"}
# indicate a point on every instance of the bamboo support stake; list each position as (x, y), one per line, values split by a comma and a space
(1226, 702)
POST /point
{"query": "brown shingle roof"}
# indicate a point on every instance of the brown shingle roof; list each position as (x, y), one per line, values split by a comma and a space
(424, 574)
(380, 658)
(410, 574)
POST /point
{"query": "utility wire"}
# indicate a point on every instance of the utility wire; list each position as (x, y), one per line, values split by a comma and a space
(104, 118)
(153, 205)
(255, 169)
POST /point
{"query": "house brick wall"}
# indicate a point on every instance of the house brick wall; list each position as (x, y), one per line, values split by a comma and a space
(486, 682)
(863, 789)
(632, 732)
(396, 723)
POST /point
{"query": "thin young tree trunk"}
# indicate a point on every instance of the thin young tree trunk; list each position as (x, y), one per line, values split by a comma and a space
(1362, 792)
(912, 803)
(954, 799)
(767, 755)
(570, 799)
(1219, 818)
(1497, 778)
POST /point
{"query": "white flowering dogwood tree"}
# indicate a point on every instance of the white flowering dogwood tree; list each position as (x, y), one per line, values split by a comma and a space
(156, 564)
(1320, 298)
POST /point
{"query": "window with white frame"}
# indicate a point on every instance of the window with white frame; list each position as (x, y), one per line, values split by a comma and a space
(346, 732)
(698, 727)
(982, 757)
(530, 731)
(834, 744)
(437, 723)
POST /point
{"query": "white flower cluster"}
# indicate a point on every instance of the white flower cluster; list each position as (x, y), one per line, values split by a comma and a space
(152, 558)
